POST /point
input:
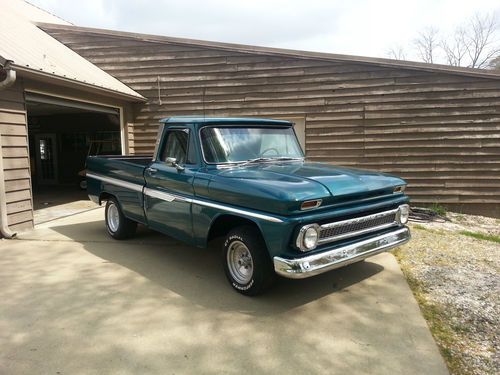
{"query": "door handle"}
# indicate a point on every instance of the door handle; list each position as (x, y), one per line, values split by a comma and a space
(151, 170)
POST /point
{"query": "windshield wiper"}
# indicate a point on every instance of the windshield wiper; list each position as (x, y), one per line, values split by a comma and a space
(255, 160)
(280, 158)
(261, 159)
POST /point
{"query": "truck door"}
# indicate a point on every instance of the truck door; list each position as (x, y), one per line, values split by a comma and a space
(169, 186)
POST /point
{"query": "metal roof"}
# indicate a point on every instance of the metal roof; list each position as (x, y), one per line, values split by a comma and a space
(223, 120)
(34, 51)
(414, 65)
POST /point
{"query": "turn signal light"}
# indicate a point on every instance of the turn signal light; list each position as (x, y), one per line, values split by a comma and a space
(307, 205)
(399, 189)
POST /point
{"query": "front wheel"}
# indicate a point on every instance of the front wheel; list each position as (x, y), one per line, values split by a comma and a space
(118, 226)
(247, 264)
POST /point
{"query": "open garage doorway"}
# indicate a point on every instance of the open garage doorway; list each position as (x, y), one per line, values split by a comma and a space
(62, 133)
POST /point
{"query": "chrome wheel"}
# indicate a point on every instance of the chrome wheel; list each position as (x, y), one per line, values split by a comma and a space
(113, 217)
(240, 262)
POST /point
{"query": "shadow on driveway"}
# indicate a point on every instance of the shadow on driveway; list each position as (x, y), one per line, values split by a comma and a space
(197, 274)
(75, 301)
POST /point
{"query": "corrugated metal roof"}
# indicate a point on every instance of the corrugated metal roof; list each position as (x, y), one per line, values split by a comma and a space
(31, 48)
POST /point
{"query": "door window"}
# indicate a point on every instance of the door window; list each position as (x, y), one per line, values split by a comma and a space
(46, 159)
(176, 146)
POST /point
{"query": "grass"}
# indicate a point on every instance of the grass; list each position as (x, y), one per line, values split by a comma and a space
(481, 236)
(446, 335)
(438, 209)
(431, 230)
(419, 226)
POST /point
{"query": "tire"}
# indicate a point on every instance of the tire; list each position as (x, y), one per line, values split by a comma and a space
(246, 261)
(118, 226)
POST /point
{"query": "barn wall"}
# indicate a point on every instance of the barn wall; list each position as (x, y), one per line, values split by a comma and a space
(441, 132)
(13, 130)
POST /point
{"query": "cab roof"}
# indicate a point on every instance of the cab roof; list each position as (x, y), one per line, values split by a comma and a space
(223, 121)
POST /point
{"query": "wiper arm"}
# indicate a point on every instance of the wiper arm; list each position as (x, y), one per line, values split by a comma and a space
(287, 158)
(261, 159)
(255, 160)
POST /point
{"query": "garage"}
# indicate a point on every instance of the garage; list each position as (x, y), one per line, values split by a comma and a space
(62, 133)
(56, 107)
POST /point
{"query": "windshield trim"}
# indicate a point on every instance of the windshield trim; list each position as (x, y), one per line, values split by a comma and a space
(236, 163)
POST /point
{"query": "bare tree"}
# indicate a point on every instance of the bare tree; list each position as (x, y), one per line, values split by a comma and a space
(480, 42)
(427, 44)
(455, 49)
(475, 44)
(396, 52)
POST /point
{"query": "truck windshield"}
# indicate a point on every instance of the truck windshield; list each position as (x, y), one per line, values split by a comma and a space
(241, 144)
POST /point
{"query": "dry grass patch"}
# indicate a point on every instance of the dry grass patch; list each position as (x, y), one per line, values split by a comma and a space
(455, 280)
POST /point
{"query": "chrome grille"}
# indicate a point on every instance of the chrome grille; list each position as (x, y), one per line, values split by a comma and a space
(356, 226)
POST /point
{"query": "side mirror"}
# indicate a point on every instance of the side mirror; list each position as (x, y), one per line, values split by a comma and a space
(173, 163)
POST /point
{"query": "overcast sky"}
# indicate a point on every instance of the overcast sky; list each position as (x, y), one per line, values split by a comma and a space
(357, 27)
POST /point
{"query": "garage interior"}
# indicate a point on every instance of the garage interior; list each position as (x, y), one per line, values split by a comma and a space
(62, 133)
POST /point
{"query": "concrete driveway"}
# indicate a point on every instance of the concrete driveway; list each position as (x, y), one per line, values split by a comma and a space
(74, 301)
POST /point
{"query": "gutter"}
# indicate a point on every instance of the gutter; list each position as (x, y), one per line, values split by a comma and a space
(10, 77)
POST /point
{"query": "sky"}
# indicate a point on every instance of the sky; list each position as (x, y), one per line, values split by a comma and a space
(355, 27)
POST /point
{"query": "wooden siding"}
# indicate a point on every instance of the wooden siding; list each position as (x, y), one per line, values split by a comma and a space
(441, 132)
(13, 130)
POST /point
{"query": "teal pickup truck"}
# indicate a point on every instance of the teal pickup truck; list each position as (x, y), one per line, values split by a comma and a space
(246, 180)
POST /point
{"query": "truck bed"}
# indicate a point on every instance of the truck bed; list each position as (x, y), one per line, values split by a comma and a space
(126, 168)
(143, 160)
(121, 176)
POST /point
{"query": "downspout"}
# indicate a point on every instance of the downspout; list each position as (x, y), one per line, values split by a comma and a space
(7, 74)
(4, 227)
(8, 77)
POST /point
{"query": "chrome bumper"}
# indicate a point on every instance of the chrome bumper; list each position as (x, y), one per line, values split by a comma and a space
(300, 268)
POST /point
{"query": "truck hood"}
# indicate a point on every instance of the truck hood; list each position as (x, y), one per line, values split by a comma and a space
(339, 181)
(281, 187)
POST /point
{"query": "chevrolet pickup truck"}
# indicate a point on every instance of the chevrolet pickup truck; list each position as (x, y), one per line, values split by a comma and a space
(247, 180)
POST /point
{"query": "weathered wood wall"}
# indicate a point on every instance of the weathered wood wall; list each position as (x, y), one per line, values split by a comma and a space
(13, 130)
(439, 131)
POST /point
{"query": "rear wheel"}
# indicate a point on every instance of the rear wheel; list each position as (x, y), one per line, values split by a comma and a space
(247, 264)
(118, 226)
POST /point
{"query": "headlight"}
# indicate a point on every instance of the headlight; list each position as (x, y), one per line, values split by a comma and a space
(308, 237)
(404, 213)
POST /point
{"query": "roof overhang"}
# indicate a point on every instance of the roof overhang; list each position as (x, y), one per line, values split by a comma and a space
(68, 82)
(383, 62)
(33, 52)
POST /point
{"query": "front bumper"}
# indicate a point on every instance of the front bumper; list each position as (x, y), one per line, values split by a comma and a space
(300, 268)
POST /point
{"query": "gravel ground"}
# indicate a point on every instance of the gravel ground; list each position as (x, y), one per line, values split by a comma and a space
(457, 222)
(456, 280)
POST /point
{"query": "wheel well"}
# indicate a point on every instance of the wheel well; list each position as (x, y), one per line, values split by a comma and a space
(224, 223)
(104, 197)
